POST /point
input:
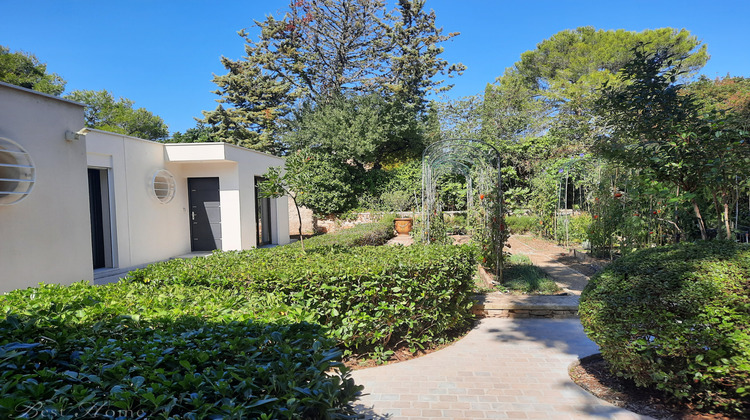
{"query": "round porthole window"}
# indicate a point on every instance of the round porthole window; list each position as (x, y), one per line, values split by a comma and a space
(163, 186)
(17, 174)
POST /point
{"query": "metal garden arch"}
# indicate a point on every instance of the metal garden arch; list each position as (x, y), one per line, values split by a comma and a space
(480, 163)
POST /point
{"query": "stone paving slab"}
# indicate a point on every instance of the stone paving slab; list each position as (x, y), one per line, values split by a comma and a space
(503, 369)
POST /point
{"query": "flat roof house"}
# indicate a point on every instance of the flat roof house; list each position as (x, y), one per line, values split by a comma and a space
(75, 201)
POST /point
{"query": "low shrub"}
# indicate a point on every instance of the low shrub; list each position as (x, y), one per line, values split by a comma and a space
(371, 299)
(518, 224)
(521, 276)
(136, 351)
(377, 233)
(456, 224)
(577, 229)
(677, 318)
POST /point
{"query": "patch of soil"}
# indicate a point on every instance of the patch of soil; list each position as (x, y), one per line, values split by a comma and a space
(402, 353)
(587, 270)
(547, 247)
(592, 374)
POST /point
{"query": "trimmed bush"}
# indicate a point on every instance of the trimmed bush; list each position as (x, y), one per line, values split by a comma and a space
(377, 233)
(578, 227)
(135, 351)
(249, 334)
(677, 318)
(370, 298)
(518, 224)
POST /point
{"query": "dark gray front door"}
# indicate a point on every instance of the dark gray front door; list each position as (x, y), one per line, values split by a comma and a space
(96, 203)
(205, 214)
(262, 216)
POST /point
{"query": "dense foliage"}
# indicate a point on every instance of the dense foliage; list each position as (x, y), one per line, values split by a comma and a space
(371, 299)
(106, 113)
(237, 334)
(520, 224)
(321, 50)
(677, 318)
(25, 70)
(654, 126)
(132, 350)
(540, 110)
(372, 234)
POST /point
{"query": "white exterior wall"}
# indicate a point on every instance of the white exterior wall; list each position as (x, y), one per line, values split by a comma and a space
(251, 165)
(47, 236)
(146, 230)
(143, 229)
(238, 187)
(228, 196)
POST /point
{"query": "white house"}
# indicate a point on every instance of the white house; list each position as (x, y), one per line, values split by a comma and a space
(77, 201)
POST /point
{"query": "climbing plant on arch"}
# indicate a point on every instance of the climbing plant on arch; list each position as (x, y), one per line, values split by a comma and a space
(480, 164)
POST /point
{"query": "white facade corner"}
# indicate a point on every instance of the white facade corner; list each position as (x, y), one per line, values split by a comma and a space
(96, 184)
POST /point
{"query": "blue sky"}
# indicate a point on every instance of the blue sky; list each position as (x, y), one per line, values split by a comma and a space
(162, 53)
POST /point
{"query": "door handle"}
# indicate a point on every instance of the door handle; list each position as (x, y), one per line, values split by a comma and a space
(192, 215)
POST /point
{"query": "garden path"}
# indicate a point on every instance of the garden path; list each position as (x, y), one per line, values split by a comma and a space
(512, 368)
(544, 255)
(507, 368)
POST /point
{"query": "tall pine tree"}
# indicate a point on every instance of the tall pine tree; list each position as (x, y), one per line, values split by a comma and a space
(322, 49)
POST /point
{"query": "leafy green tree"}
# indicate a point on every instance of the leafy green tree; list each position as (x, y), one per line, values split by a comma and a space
(460, 118)
(323, 183)
(513, 111)
(106, 113)
(567, 69)
(319, 182)
(730, 95)
(654, 124)
(414, 55)
(364, 130)
(25, 70)
(198, 134)
(541, 110)
(256, 101)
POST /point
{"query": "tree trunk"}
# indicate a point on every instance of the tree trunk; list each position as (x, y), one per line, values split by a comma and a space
(701, 223)
(726, 219)
(299, 217)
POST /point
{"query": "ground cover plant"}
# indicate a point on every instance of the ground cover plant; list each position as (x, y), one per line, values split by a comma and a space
(253, 334)
(130, 350)
(677, 318)
(521, 276)
(520, 224)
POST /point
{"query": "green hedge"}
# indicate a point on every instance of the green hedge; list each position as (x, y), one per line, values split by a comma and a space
(377, 233)
(518, 224)
(254, 334)
(677, 318)
(136, 351)
(370, 298)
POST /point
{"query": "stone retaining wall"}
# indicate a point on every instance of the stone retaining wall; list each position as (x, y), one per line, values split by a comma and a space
(479, 310)
(497, 305)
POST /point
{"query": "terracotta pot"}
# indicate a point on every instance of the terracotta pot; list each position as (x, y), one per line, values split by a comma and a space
(404, 225)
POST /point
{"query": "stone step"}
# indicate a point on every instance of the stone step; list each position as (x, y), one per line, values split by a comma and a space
(498, 305)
